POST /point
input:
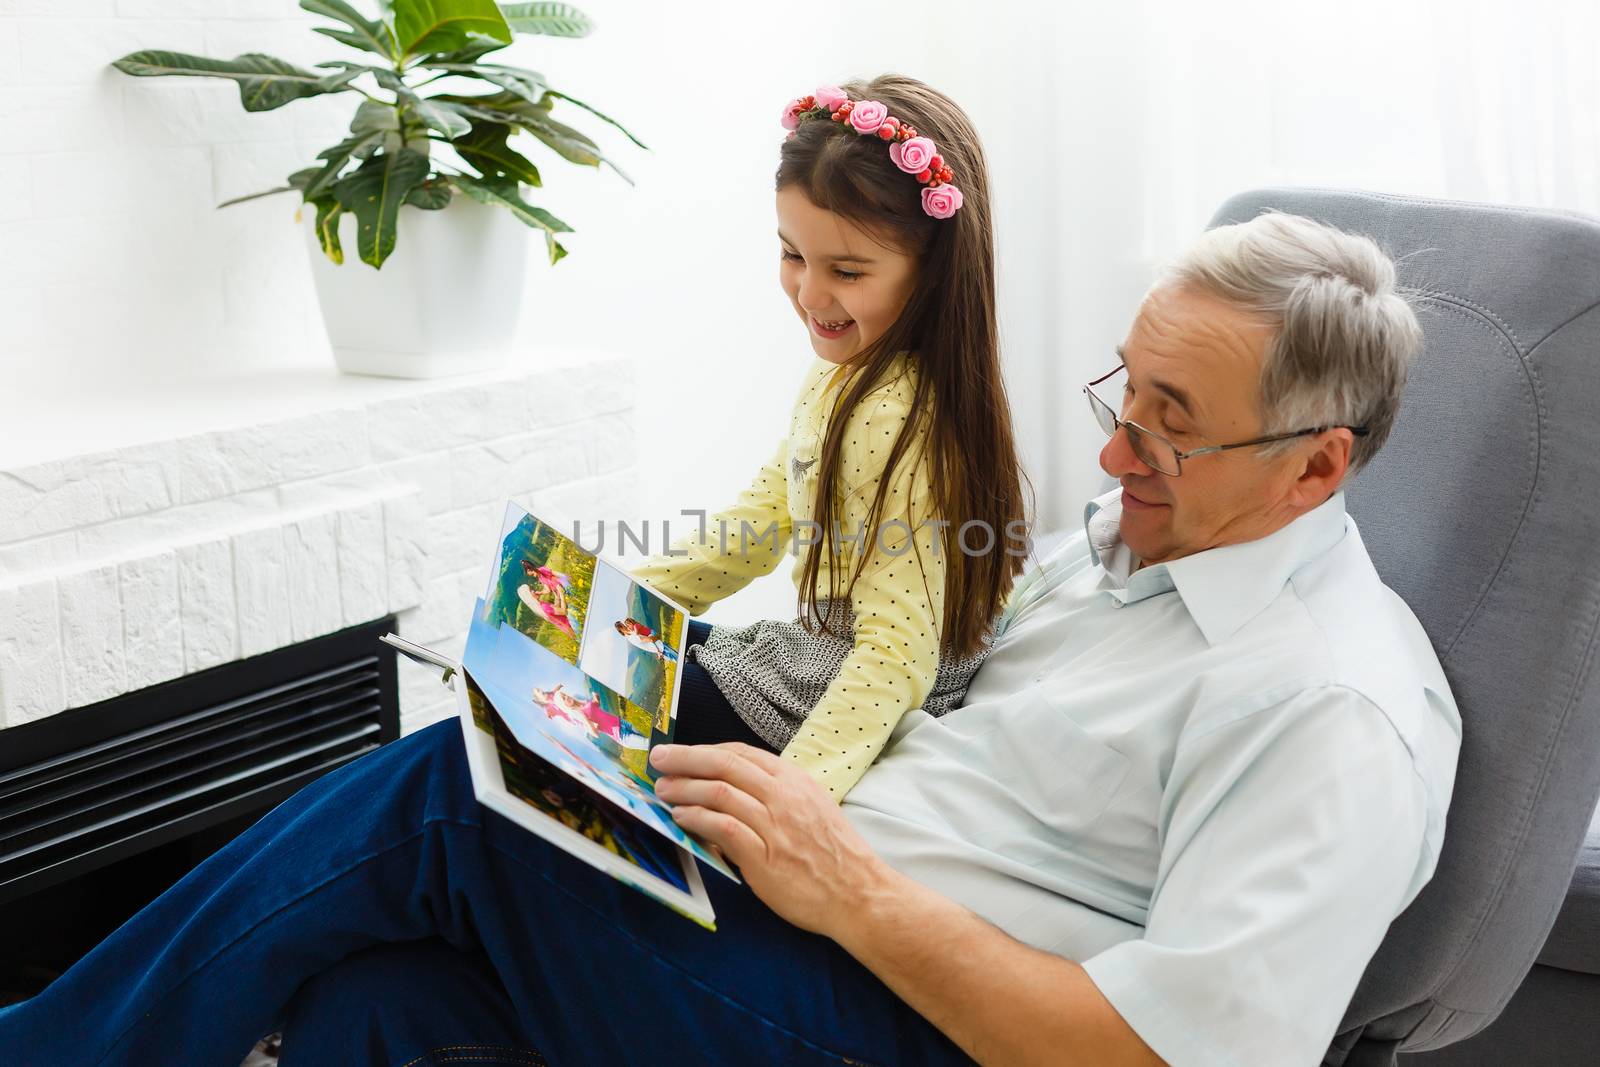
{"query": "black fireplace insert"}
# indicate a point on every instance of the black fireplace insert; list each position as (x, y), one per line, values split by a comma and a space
(102, 807)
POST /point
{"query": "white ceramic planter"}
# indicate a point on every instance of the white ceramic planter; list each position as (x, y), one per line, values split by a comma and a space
(446, 301)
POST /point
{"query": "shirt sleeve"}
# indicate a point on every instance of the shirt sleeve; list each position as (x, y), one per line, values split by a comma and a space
(740, 543)
(898, 603)
(1291, 837)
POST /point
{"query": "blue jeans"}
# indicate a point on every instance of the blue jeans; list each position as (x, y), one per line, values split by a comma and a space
(376, 881)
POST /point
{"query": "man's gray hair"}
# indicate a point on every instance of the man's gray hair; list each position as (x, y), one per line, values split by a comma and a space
(1343, 337)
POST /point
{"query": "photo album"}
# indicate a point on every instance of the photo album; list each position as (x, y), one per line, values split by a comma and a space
(569, 677)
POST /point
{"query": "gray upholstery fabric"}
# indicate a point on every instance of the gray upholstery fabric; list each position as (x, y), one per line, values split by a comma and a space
(1553, 1021)
(1574, 941)
(1482, 512)
(1554, 1018)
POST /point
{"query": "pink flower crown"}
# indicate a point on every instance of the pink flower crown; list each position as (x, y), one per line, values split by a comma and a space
(911, 152)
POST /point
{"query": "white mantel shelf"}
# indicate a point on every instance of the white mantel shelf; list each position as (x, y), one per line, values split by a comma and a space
(157, 529)
(44, 418)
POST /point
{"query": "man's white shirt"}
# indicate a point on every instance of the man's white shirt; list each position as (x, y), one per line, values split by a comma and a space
(1213, 782)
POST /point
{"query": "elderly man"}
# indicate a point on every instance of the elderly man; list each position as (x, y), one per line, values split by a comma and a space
(1206, 763)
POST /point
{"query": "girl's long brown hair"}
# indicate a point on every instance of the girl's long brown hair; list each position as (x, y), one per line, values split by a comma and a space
(948, 325)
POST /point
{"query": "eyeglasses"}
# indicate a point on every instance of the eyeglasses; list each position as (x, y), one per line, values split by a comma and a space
(1160, 454)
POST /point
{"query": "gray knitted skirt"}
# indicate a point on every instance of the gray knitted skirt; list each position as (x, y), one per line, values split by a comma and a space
(774, 672)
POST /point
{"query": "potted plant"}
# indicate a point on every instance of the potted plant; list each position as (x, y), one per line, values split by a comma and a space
(449, 303)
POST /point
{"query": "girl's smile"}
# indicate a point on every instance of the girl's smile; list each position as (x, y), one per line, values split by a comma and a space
(831, 330)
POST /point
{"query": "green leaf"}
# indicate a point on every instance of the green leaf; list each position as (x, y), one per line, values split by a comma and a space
(431, 195)
(325, 176)
(527, 84)
(374, 192)
(505, 107)
(472, 52)
(327, 226)
(354, 40)
(373, 117)
(424, 26)
(384, 76)
(506, 195)
(511, 110)
(264, 82)
(551, 20)
(485, 148)
(599, 115)
(367, 34)
(568, 143)
(257, 196)
(436, 115)
(302, 178)
(339, 79)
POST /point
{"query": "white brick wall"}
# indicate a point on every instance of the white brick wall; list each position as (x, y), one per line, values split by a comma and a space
(122, 569)
(112, 184)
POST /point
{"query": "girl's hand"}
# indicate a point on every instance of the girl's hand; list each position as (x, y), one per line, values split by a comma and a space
(789, 838)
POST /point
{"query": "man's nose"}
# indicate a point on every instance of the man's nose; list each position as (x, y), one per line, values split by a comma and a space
(1118, 459)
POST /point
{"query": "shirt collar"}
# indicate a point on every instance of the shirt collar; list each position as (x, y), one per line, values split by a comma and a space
(1222, 588)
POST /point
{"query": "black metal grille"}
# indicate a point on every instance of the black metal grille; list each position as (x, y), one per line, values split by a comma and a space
(90, 786)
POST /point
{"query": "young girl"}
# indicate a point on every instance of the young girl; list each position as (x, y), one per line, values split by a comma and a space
(898, 482)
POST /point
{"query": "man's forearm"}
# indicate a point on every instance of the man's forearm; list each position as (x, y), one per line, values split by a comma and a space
(1000, 1000)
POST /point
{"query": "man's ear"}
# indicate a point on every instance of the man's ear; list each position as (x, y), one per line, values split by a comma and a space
(1324, 467)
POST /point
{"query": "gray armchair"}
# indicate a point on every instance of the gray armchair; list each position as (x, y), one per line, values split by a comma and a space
(1483, 512)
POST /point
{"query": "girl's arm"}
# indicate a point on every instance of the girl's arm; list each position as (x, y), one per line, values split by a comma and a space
(697, 572)
(898, 604)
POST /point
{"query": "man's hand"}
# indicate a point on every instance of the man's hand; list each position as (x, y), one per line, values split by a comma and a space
(799, 853)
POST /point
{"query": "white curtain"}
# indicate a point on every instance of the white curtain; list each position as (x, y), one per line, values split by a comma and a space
(1116, 131)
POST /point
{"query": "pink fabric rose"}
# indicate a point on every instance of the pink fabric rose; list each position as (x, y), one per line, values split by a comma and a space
(791, 113)
(913, 156)
(941, 202)
(867, 116)
(829, 97)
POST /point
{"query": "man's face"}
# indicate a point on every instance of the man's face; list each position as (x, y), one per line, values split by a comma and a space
(1193, 376)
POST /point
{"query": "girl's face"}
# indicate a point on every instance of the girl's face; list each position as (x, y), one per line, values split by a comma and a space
(844, 284)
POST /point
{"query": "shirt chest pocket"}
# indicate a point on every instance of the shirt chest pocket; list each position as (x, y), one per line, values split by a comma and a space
(802, 473)
(1052, 779)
